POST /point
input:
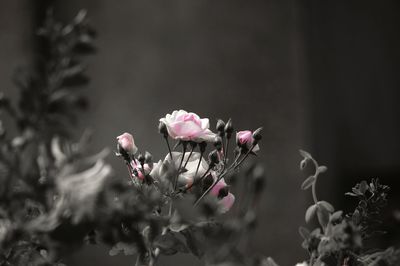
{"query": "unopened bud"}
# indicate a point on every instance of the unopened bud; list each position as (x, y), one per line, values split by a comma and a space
(218, 143)
(257, 135)
(148, 158)
(126, 143)
(141, 159)
(162, 128)
(220, 126)
(229, 128)
(213, 158)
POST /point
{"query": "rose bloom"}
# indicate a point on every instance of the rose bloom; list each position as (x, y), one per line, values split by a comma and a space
(182, 125)
(127, 143)
(245, 138)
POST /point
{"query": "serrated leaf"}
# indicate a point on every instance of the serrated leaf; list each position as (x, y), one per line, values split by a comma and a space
(308, 182)
(310, 212)
(305, 154)
(326, 205)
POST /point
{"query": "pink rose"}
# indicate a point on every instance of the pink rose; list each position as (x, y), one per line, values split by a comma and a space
(182, 125)
(245, 138)
(226, 203)
(127, 143)
(215, 190)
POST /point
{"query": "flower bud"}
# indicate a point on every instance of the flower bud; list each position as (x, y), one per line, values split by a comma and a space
(257, 135)
(162, 128)
(127, 143)
(229, 128)
(213, 158)
(141, 158)
(220, 127)
(223, 192)
(148, 158)
(218, 143)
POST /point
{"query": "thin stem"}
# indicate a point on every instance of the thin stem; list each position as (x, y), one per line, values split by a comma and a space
(190, 154)
(226, 150)
(223, 174)
(169, 148)
(198, 164)
(313, 188)
(130, 173)
(196, 181)
(180, 165)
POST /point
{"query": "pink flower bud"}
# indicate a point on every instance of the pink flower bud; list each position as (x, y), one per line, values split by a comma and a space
(245, 138)
(126, 142)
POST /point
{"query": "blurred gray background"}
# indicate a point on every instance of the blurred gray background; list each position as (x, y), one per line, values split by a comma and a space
(317, 75)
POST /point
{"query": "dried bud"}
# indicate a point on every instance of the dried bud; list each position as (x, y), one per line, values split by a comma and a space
(213, 158)
(141, 159)
(229, 128)
(218, 143)
(257, 135)
(223, 192)
(162, 128)
(202, 146)
(220, 127)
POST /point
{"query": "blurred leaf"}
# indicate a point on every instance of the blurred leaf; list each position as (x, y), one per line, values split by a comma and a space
(308, 182)
(170, 243)
(310, 212)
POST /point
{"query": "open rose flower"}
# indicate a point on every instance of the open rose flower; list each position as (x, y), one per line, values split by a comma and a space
(245, 138)
(182, 125)
(126, 142)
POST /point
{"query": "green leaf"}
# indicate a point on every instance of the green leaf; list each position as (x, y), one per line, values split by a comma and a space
(308, 182)
(310, 212)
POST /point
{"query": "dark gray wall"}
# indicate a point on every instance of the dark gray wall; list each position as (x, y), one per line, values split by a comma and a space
(317, 75)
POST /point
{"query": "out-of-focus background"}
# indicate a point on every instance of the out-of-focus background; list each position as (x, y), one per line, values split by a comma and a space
(317, 75)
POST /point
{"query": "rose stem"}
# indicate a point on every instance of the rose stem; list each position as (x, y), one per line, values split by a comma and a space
(222, 175)
(169, 147)
(180, 164)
